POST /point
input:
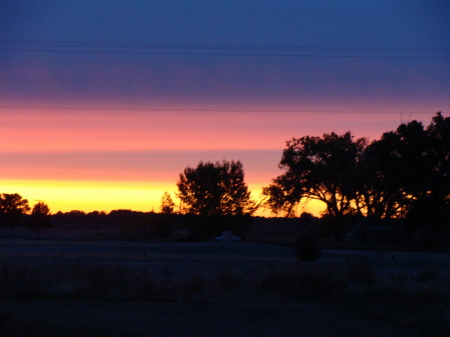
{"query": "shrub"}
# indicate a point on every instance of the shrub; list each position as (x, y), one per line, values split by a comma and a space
(307, 247)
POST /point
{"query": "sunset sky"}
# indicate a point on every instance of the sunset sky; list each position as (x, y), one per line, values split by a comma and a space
(104, 103)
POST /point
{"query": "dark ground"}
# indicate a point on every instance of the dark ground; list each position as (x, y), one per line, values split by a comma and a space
(128, 318)
(237, 317)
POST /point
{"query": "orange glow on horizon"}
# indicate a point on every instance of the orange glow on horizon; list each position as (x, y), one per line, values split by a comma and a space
(105, 196)
(89, 196)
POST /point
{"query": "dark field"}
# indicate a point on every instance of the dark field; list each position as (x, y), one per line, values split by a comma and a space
(188, 257)
(116, 288)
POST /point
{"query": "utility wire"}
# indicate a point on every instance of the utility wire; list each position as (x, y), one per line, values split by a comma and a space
(207, 110)
(222, 54)
(206, 46)
(218, 50)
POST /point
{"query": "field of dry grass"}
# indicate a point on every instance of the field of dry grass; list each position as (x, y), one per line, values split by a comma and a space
(44, 284)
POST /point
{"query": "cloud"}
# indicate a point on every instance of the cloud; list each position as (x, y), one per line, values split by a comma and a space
(132, 166)
(209, 27)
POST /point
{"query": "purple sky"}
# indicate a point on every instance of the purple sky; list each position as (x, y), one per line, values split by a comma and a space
(403, 65)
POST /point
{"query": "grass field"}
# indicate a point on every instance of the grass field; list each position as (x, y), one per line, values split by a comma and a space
(170, 287)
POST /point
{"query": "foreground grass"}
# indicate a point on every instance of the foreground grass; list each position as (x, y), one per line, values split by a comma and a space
(419, 301)
(10, 325)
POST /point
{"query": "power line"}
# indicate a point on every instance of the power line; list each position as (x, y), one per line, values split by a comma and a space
(224, 54)
(220, 50)
(209, 46)
(209, 110)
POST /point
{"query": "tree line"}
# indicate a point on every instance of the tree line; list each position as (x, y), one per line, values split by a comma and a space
(14, 208)
(402, 175)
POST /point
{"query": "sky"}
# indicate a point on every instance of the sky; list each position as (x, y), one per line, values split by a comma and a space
(104, 103)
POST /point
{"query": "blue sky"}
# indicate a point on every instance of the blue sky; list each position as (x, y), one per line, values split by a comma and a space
(329, 76)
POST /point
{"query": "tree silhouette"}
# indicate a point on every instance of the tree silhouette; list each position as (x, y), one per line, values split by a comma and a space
(378, 177)
(215, 189)
(426, 154)
(408, 173)
(439, 199)
(404, 174)
(321, 168)
(167, 204)
(12, 208)
(40, 217)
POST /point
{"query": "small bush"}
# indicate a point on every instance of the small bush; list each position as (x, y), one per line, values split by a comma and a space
(307, 247)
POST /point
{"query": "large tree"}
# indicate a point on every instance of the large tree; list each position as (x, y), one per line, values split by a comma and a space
(215, 189)
(380, 189)
(407, 173)
(40, 217)
(439, 199)
(321, 168)
(12, 207)
(425, 157)
(404, 174)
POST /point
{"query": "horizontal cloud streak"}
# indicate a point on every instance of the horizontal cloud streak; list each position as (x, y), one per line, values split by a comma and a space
(88, 131)
(145, 166)
(240, 80)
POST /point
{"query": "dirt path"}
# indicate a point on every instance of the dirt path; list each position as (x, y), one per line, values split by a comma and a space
(128, 318)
